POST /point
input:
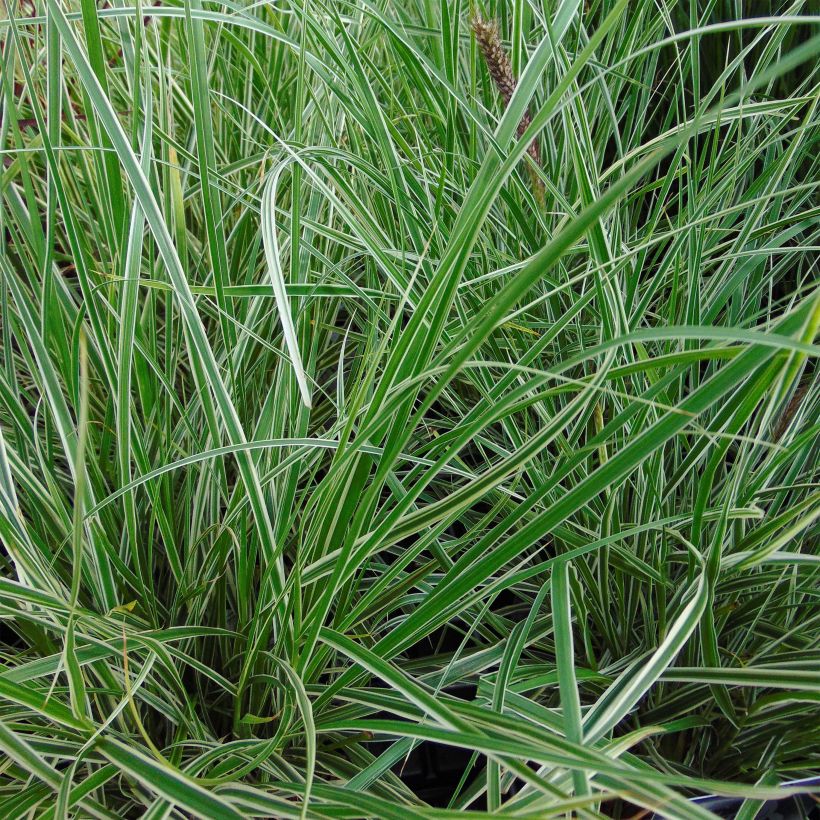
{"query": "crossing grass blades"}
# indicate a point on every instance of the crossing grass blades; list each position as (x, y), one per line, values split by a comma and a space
(357, 411)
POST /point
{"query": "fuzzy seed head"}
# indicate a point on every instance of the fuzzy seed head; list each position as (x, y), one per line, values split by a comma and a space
(498, 63)
(500, 68)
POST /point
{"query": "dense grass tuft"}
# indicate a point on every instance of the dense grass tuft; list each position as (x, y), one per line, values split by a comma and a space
(353, 411)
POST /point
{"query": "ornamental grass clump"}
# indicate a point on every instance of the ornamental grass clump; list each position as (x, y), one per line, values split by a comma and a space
(404, 414)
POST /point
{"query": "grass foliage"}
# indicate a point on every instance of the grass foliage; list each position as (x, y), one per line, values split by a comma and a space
(334, 428)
